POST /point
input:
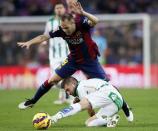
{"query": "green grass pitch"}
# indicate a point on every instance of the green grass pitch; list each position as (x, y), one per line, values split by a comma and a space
(144, 104)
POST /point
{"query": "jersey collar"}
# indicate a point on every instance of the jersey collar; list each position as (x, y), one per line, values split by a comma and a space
(75, 91)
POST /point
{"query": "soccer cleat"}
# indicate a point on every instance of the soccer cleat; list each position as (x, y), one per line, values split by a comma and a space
(130, 118)
(112, 122)
(24, 105)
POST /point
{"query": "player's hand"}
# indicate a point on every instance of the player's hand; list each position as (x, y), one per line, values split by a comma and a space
(24, 44)
(54, 119)
(76, 100)
(78, 8)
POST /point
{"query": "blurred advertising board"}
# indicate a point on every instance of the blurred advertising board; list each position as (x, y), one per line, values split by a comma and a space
(121, 76)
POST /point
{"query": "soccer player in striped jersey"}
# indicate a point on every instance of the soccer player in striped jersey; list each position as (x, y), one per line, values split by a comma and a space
(58, 49)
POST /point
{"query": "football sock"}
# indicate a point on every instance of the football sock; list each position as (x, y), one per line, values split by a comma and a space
(97, 122)
(125, 108)
(69, 111)
(45, 87)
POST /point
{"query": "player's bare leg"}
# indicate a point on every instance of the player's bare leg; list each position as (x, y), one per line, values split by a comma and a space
(62, 97)
(44, 88)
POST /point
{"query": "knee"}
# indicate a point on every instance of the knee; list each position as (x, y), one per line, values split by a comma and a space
(53, 81)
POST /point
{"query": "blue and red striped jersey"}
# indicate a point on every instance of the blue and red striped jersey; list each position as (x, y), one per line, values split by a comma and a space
(80, 43)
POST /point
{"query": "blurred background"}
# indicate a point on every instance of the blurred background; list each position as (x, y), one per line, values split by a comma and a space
(126, 36)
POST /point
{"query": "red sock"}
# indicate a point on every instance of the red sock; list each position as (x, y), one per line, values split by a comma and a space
(47, 84)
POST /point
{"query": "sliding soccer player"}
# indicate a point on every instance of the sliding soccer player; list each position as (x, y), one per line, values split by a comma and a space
(93, 93)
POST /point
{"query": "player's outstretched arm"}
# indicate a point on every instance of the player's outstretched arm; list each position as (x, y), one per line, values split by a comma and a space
(93, 20)
(71, 110)
(68, 111)
(37, 40)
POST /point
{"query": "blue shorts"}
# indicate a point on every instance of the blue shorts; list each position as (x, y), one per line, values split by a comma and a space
(91, 68)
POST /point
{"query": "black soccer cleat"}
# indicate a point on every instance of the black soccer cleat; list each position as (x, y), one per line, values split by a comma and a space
(26, 104)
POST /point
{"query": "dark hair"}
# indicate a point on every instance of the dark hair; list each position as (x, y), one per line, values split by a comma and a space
(67, 16)
(67, 81)
(58, 3)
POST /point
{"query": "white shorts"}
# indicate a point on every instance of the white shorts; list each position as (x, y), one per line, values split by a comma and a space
(110, 101)
(108, 110)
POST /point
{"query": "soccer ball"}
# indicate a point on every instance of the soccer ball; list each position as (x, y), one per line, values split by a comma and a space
(41, 121)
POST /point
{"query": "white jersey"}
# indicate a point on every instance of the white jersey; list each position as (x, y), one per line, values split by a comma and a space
(58, 49)
(99, 93)
(89, 86)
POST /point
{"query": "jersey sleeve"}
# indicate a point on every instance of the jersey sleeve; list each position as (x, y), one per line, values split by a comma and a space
(84, 23)
(57, 33)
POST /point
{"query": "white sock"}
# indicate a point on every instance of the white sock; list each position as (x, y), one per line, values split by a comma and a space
(97, 122)
(71, 110)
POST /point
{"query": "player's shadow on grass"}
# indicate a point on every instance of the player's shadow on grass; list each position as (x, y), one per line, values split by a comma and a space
(76, 126)
(70, 126)
(139, 125)
(130, 125)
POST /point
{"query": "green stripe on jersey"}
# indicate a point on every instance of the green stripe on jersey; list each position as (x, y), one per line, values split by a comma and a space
(52, 18)
(116, 99)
